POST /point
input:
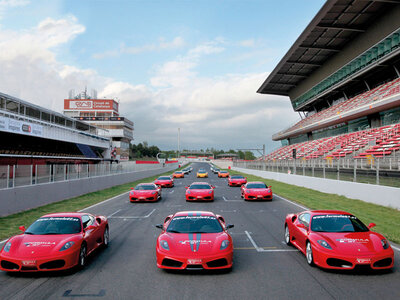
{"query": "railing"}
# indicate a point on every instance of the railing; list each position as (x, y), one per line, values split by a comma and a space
(380, 171)
(23, 175)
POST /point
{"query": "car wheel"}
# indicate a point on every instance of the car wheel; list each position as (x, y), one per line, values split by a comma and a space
(287, 236)
(309, 254)
(106, 237)
(82, 256)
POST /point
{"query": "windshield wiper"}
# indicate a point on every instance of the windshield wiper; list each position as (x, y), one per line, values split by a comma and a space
(50, 233)
(174, 231)
(28, 232)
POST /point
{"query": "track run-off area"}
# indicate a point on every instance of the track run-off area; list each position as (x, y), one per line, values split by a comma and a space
(264, 266)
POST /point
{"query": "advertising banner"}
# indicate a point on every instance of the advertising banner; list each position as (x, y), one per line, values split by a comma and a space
(90, 104)
(20, 127)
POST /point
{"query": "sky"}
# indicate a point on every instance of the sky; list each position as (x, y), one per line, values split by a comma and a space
(194, 65)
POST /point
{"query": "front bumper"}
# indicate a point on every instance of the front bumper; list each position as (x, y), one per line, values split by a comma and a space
(144, 199)
(223, 260)
(199, 198)
(46, 263)
(256, 197)
(330, 260)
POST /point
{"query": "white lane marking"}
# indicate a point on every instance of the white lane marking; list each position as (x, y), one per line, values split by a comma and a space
(134, 217)
(395, 248)
(171, 191)
(114, 213)
(260, 249)
(226, 200)
(301, 206)
(253, 242)
(103, 201)
(228, 211)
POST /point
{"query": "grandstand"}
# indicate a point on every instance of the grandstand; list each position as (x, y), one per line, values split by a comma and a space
(342, 77)
(32, 135)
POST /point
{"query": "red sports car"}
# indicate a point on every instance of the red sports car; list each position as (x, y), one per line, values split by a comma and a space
(164, 181)
(337, 240)
(237, 180)
(256, 191)
(194, 240)
(55, 242)
(145, 192)
(200, 191)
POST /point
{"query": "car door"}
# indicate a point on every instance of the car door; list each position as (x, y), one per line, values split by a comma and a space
(91, 229)
(301, 229)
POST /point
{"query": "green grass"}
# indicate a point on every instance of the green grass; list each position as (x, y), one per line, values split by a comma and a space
(9, 225)
(387, 219)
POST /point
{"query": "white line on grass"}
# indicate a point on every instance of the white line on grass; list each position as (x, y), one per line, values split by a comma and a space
(103, 201)
(134, 217)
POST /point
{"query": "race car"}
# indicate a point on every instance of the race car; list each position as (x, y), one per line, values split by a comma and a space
(237, 180)
(201, 173)
(256, 191)
(145, 192)
(178, 174)
(223, 174)
(186, 171)
(336, 239)
(200, 191)
(55, 242)
(194, 240)
(164, 181)
(215, 170)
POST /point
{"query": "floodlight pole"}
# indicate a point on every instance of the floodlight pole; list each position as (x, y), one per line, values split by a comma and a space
(179, 142)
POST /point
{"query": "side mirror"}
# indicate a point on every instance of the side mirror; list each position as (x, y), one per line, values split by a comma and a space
(98, 219)
(213, 187)
(22, 228)
(160, 226)
(270, 186)
(229, 226)
(186, 187)
(302, 226)
(371, 225)
(131, 188)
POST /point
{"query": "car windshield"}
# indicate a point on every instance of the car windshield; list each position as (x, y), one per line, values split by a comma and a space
(194, 224)
(237, 177)
(145, 188)
(55, 225)
(200, 187)
(337, 223)
(256, 186)
(178, 172)
(223, 172)
(202, 171)
(164, 178)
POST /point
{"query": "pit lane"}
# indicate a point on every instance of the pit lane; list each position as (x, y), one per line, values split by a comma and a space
(264, 267)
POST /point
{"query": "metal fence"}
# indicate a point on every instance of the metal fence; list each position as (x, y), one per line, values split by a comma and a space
(22, 175)
(381, 171)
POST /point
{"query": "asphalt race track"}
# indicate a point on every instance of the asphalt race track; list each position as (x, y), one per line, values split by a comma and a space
(264, 267)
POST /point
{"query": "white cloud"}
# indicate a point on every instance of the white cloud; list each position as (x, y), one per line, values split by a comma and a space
(247, 43)
(162, 44)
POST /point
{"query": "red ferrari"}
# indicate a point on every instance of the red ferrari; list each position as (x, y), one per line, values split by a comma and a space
(145, 192)
(237, 180)
(164, 181)
(194, 240)
(200, 191)
(337, 240)
(55, 242)
(256, 191)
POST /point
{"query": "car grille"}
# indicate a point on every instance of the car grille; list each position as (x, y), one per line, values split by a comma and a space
(217, 263)
(171, 263)
(29, 268)
(383, 263)
(340, 263)
(9, 265)
(55, 264)
(194, 267)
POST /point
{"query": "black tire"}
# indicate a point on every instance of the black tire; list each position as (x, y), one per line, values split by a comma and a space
(106, 237)
(82, 259)
(287, 236)
(309, 254)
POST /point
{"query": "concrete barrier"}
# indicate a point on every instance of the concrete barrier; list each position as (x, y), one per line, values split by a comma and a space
(27, 197)
(377, 194)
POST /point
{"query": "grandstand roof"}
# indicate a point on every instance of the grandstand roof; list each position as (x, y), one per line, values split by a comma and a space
(337, 23)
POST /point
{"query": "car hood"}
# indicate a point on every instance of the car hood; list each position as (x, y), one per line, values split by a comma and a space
(353, 242)
(259, 191)
(27, 245)
(199, 192)
(142, 193)
(195, 243)
(163, 181)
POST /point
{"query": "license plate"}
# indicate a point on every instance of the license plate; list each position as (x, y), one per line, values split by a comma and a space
(194, 261)
(29, 263)
(199, 197)
(363, 260)
(259, 196)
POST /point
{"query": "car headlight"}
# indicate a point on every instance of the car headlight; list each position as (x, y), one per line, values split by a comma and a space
(385, 244)
(324, 244)
(67, 245)
(153, 192)
(164, 245)
(7, 247)
(210, 192)
(248, 192)
(224, 245)
(188, 192)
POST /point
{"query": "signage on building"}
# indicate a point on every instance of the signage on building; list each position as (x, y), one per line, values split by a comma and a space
(20, 127)
(90, 104)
